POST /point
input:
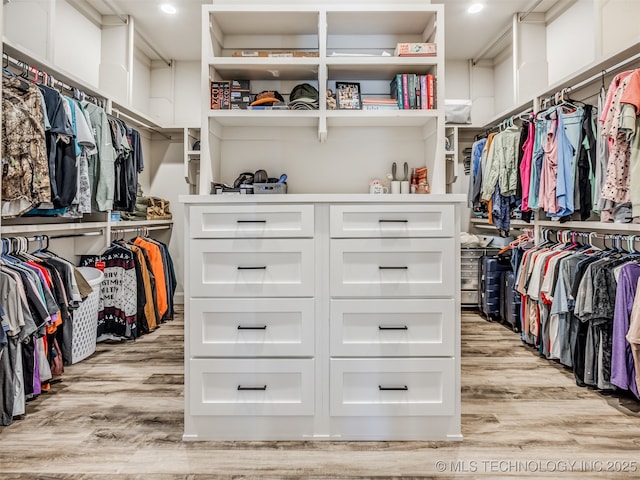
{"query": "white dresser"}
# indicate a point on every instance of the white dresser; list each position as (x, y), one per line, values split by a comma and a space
(328, 317)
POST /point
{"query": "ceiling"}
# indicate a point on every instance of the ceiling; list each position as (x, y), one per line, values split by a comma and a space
(177, 37)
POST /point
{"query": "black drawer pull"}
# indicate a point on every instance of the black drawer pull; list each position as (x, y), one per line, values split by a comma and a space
(252, 327)
(402, 388)
(382, 220)
(393, 327)
(263, 267)
(251, 221)
(240, 387)
(393, 268)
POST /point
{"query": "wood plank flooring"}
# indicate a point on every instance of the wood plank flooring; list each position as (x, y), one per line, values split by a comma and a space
(119, 414)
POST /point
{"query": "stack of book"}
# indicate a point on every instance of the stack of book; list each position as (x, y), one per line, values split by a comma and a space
(412, 91)
(230, 95)
(220, 95)
(375, 103)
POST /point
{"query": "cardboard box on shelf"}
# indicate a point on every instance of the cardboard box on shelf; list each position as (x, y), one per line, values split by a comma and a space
(407, 49)
(274, 53)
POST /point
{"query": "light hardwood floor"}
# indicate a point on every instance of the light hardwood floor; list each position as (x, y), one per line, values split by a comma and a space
(118, 414)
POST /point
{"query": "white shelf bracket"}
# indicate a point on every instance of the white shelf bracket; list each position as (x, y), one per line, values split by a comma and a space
(322, 129)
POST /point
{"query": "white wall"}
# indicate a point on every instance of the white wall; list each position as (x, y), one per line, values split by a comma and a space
(457, 79)
(114, 74)
(82, 58)
(36, 14)
(532, 73)
(620, 24)
(503, 84)
(187, 101)
(482, 93)
(141, 82)
(174, 95)
(165, 176)
(51, 34)
(160, 93)
(571, 41)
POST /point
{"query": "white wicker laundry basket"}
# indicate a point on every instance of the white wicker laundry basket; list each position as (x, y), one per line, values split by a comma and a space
(85, 318)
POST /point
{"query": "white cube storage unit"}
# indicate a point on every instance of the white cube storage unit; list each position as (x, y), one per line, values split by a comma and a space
(345, 328)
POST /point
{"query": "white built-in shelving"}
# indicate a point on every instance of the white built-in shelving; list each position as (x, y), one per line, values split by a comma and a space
(323, 150)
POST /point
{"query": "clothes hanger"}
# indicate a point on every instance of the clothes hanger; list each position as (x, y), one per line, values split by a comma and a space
(631, 240)
(568, 102)
(23, 86)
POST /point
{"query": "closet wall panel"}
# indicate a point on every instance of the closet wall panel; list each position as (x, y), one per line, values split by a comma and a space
(162, 176)
(619, 24)
(36, 15)
(531, 59)
(186, 93)
(141, 85)
(114, 72)
(571, 41)
(82, 58)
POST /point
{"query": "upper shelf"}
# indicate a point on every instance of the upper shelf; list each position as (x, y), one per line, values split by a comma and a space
(380, 118)
(378, 68)
(266, 118)
(396, 19)
(229, 20)
(363, 67)
(264, 68)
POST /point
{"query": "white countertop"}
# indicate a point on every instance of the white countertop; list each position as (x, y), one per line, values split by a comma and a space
(325, 198)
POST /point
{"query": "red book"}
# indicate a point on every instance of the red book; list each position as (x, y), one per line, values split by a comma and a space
(430, 91)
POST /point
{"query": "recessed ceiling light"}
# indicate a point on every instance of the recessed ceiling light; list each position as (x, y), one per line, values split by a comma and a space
(166, 8)
(475, 8)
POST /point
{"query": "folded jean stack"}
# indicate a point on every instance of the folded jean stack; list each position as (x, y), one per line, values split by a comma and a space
(148, 208)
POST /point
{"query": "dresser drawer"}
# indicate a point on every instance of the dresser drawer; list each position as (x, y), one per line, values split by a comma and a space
(469, 272)
(263, 221)
(469, 283)
(469, 262)
(469, 297)
(252, 327)
(405, 220)
(252, 387)
(392, 387)
(476, 253)
(252, 268)
(394, 328)
(402, 267)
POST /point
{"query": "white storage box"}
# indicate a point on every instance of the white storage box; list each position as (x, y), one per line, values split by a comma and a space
(85, 318)
(457, 111)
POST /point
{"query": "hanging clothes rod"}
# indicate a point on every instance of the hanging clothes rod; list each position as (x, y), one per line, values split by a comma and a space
(138, 229)
(66, 235)
(519, 115)
(583, 237)
(117, 113)
(72, 235)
